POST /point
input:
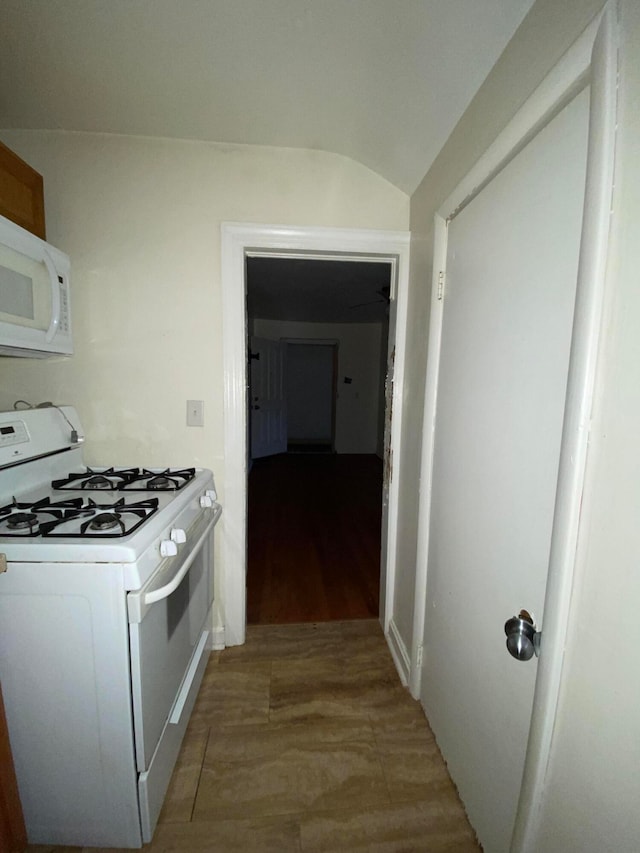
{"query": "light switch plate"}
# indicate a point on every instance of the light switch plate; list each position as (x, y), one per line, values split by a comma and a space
(195, 413)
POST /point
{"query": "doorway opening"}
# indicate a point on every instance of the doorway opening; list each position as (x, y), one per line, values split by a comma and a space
(243, 241)
(318, 359)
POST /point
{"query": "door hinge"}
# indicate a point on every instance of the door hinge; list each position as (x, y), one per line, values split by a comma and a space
(419, 656)
(441, 277)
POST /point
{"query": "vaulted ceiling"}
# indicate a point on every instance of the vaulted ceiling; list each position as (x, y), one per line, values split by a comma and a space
(380, 81)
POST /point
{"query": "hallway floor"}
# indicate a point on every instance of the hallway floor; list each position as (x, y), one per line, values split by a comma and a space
(313, 538)
(304, 740)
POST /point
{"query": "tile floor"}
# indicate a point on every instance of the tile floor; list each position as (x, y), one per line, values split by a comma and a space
(304, 740)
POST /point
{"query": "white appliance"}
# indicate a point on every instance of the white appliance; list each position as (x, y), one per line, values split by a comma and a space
(35, 305)
(106, 582)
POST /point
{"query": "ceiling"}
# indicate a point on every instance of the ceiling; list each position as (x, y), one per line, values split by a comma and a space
(317, 291)
(380, 81)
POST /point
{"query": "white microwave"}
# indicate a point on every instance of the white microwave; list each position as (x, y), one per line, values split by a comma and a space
(35, 310)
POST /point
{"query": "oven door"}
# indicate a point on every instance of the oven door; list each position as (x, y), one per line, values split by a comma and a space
(168, 637)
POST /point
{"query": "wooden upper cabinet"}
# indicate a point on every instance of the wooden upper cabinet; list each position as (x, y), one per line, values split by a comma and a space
(21, 193)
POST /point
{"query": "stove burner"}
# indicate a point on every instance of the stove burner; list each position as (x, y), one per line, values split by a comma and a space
(22, 520)
(160, 482)
(29, 519)
(112, 519)
(127, 480)
(168, 480)
(106, 521)
(97, 482)
(171, 479)
(108, 479)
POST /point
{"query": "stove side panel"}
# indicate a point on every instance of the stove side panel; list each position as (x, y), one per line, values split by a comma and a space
(64, 668)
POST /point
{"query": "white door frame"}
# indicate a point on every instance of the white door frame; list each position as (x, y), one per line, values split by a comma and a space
(591, 60)
(238, 242)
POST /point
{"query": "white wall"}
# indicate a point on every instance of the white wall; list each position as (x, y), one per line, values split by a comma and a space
(358, 358)
(140, 219)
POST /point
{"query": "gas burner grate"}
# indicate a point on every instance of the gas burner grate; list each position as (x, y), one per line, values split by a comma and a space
(99, 520)
(126, 479)
(108, 479)
(168, 480)
(28, 519)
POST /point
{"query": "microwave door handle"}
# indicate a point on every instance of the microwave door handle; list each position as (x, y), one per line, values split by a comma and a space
(55, 297)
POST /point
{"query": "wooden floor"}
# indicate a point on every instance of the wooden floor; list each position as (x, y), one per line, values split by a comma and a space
(314, 538)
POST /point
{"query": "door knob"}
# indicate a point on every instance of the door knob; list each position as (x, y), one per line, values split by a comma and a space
(523, 641)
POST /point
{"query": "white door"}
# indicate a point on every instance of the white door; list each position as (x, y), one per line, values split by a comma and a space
(267, 405)
(511, 272)
(310, 392)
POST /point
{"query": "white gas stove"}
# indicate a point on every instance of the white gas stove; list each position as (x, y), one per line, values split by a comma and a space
(106, 588)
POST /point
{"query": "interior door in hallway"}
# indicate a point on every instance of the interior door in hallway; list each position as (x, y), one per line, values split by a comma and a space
(512, 261)
(267, 403)
(310, 390)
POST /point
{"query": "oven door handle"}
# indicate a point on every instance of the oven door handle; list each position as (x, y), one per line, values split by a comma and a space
(140, 602)
(166, 590)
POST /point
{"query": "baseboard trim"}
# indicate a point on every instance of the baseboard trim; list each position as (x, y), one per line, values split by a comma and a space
(216, 639)
(399, 653)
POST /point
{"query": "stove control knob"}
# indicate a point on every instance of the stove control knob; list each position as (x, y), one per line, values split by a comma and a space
(168, 548)
(206, 501)
(178, 535)
(211, 493)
